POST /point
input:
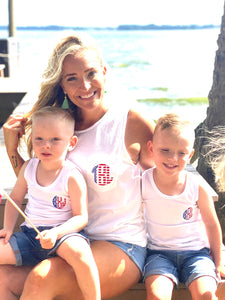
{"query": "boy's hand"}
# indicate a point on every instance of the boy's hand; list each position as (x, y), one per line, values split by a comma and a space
(6, 234)
(48, 239)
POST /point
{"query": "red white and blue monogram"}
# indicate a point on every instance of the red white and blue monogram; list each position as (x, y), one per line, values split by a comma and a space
(102, 175)
(59, 202)
(188, 214)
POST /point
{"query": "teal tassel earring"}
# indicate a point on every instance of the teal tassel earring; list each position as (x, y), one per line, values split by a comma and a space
(65, 104)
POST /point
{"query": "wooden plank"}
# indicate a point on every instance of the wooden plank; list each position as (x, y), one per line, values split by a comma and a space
(2, 67)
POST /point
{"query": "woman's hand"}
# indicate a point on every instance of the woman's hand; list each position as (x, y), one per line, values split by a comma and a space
(13, 130)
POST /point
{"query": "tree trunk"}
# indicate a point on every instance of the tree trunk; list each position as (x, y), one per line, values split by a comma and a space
(215, 116)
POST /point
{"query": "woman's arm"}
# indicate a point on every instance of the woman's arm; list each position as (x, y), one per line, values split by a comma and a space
(139, 131)
(13, 130)
(10, 215)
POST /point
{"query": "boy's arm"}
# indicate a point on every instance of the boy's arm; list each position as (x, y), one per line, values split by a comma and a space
(78, 196)
(18, 193)
(212, 225)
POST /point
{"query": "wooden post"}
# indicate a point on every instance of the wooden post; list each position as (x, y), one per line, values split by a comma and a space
(12, 28)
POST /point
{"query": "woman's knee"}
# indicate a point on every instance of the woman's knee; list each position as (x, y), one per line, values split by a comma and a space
(42, 272)
(50, 278)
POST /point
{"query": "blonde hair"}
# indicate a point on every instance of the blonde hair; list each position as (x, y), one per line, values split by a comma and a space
(51, 92)
(215, 155)
(174, 121)
(51, 111)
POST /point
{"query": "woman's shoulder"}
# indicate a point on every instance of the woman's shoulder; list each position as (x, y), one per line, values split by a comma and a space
(139, 131)
(137, 120)
(139, 128)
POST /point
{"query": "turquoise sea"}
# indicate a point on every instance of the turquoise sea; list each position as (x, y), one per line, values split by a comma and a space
(144, 64)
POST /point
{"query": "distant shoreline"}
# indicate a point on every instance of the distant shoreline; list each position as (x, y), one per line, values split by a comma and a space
(120, 27)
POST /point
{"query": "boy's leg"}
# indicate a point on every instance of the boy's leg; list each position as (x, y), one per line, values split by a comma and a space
(77, 253)
(159, 287)
(198, 273)
(203, 287)
(160, 274)
(7, 255)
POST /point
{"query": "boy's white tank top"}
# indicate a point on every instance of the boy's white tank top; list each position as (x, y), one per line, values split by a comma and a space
(173, 222)
(48, 205)
(114, 196)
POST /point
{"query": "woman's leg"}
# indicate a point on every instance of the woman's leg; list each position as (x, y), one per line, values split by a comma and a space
(203, 288)
(117, 271)
(51, 279)
(12, 281)
(7, 255)
(55, 279)
(77, 253)
(159, 287)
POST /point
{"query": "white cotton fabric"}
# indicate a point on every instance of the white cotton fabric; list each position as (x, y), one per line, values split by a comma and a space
(49, 205)
(173, 222)
(114, 196)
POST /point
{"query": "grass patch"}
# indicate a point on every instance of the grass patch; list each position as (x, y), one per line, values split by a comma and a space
(179, 101)
(162, 89)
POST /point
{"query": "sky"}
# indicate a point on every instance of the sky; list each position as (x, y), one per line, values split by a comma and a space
(111, 13)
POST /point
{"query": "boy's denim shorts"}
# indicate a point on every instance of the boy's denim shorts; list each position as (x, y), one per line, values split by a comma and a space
(136, 253)
(28, 250)
(180, 266)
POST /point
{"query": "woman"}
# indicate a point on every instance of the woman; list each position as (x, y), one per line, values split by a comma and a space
(112, 145)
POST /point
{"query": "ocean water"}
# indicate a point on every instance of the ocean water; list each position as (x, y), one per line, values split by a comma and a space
(143, 64)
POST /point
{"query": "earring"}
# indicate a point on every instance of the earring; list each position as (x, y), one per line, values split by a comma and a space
(65, 104)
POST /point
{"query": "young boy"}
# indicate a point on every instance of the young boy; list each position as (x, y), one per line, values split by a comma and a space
(57, 204)
(181, 221)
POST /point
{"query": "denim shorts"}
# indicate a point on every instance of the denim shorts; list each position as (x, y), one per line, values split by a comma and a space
(27, 248)
(136, 253)
(180, 266)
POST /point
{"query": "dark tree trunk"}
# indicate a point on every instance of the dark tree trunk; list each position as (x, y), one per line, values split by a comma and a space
(215, 116)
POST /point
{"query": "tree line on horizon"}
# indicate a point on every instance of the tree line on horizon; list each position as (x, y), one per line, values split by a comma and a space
(120, 27)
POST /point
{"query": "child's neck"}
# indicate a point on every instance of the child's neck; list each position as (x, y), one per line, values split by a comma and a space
(47, 174)
(170, 185)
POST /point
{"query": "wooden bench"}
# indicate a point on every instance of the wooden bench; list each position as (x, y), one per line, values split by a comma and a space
(138, 292)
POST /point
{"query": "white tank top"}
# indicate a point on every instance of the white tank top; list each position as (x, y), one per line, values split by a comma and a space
(173, 222)
(48, 205)
(113, 180)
